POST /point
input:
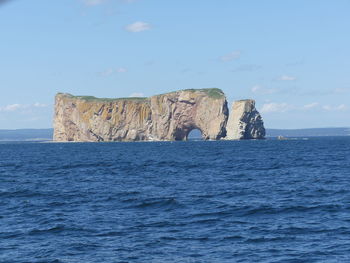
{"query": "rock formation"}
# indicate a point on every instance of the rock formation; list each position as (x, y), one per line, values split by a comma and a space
(245, 122)
(168, 116)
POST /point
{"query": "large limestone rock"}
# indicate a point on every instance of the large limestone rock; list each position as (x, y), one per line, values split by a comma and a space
(168, 116)
(245, 122)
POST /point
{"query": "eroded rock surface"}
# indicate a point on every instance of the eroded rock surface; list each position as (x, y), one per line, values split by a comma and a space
(168, 116)
(245, 122)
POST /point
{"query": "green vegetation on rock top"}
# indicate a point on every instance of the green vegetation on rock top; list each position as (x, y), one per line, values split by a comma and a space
(92, 98)
(245, 100)
(213, 93)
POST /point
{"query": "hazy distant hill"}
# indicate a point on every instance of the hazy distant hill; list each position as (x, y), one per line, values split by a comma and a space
(343, 131)
(46, 134)
(26, 135)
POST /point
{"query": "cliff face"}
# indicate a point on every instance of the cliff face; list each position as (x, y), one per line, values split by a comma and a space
(245, 122)
(168, 116)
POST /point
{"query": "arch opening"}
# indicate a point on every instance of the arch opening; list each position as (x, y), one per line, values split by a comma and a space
(188, 133)
(195, 135)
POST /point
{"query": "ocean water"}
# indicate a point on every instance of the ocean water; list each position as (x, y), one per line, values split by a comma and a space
(205, 201)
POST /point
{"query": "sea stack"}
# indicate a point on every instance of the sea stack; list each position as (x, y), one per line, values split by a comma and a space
(245, 122)
(165, 117)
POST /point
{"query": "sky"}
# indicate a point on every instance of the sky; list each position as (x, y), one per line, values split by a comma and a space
(291, 56)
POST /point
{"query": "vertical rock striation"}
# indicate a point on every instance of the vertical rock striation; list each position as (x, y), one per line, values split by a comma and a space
(245, 122)
(168, 116)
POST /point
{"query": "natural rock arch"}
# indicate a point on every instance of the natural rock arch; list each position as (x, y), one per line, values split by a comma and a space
(169, 116)
(183, 111)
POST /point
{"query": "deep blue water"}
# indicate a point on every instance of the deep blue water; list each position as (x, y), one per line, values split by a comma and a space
(238, 201)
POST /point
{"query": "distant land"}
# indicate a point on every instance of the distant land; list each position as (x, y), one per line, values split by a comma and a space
(46, 134)
(26, 135)
(314, 132)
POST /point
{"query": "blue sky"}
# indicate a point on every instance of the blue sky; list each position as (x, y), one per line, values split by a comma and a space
(291, 56)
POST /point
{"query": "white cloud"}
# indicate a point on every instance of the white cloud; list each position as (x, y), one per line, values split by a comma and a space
(231, 56)
(275, 107)
(340, 107)
(138, 27)
(16, 107)
(39, 105)
(311, 106)
(257, 89)
(287, 78)
(136, 94)
(11, 107)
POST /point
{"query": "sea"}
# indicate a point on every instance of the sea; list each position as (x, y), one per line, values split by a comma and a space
(194, 201)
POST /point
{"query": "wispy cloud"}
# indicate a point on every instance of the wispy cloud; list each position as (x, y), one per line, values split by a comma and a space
(287, 78)
(112, 71)
(274, 107)
(121, 70)
(94, 2)
(231, 56)
(11, 107)
(258, 89)
(136, 94)
(107, 72)
(138, 26)
(17, 107)
(311, 106)
(341, 107)
(341, 90)
(39, 105)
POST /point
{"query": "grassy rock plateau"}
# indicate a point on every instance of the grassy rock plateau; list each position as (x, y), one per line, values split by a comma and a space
(164, 117)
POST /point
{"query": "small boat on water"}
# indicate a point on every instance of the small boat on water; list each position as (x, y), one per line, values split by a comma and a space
(280, 137)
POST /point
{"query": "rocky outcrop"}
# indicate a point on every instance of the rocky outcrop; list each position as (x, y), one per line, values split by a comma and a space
(168, 116)
(245, 122)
